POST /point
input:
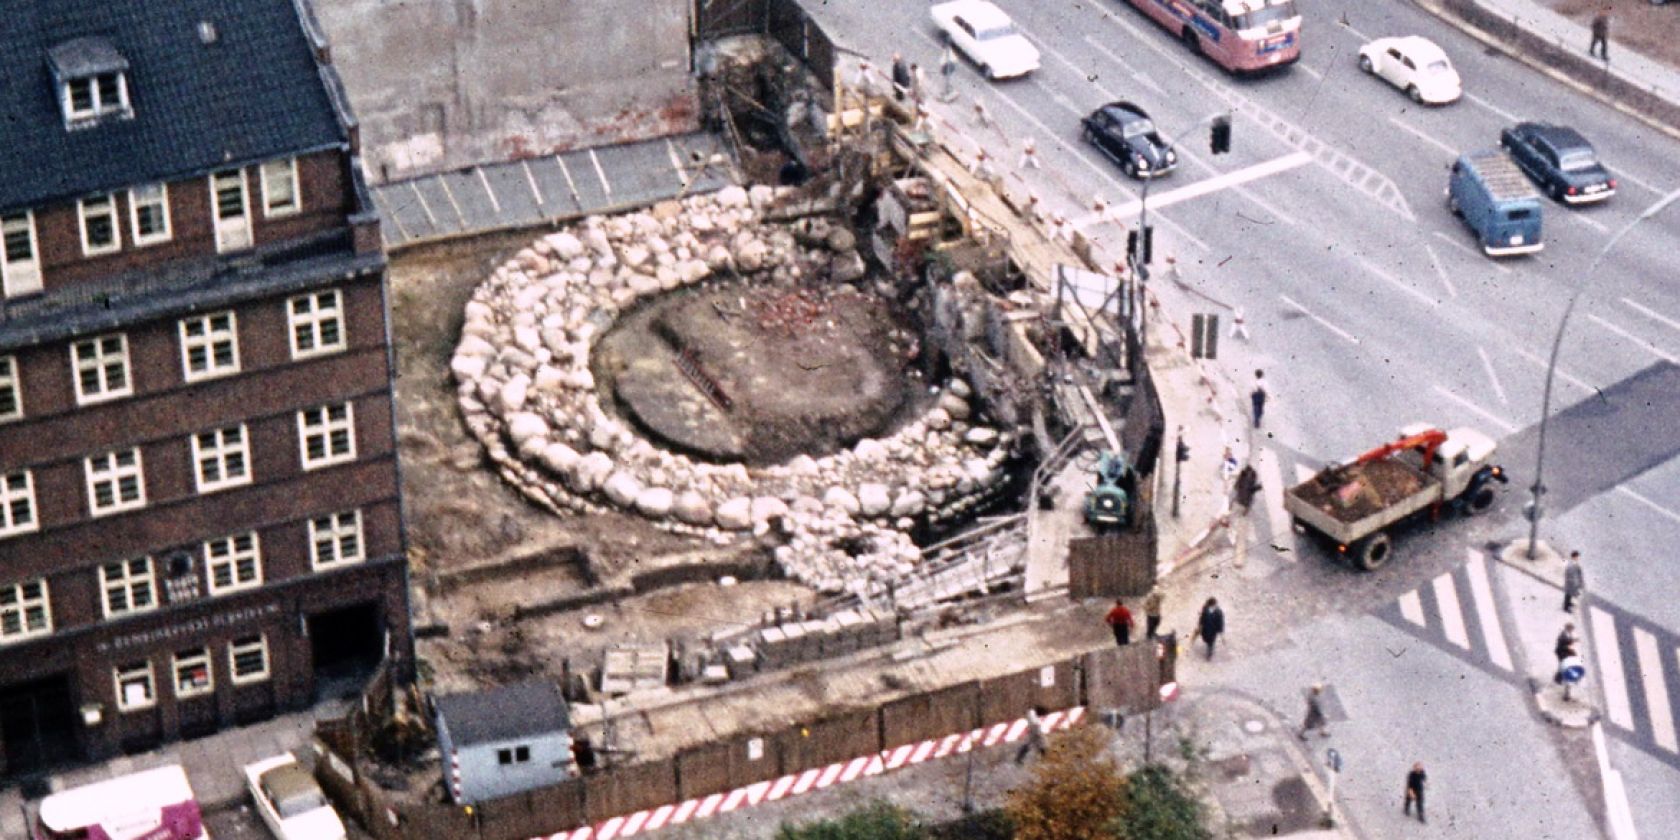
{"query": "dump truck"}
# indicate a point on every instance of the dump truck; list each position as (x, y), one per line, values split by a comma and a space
(1352, 506)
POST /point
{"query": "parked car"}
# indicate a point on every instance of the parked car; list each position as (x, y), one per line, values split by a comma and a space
(290, 802)
(1490, 193)
(1560, 161)
(1124, 133)
(1415, 65)
(987, 36)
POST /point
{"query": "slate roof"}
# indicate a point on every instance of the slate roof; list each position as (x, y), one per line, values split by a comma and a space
(255, 93)
(521, 710)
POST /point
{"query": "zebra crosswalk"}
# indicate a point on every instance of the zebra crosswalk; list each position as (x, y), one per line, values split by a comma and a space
(1634, 662)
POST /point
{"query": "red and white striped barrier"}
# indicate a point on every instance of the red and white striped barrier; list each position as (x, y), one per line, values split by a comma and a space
(817, 778)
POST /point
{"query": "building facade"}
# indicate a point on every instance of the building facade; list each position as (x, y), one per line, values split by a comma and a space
(200, 522)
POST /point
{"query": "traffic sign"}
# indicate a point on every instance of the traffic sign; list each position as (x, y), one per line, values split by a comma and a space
(1571, 669)
(1333, 759)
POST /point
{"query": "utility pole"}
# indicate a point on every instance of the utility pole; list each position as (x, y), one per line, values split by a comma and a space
(1138, 254)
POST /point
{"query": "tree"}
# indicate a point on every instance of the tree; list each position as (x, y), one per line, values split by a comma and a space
(875, 821)
(1076, 791)
(1160, 806)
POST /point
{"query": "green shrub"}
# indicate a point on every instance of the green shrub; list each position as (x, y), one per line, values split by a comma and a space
(1159, 806)
(876, 821)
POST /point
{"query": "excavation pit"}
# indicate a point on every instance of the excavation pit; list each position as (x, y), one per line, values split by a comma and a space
(759, 373)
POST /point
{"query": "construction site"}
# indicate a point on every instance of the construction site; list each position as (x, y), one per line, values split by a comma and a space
(754, 469)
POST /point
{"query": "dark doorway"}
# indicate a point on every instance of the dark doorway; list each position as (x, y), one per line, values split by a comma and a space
(346, 644)
(37, 726)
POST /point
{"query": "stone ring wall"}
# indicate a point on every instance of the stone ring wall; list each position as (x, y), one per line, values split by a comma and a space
(526, 392)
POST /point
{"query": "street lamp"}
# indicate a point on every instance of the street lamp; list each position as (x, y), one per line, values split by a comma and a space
(1137, 258)
(1539, 488)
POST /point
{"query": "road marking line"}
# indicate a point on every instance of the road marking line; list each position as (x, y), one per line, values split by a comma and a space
(1471, 251)
(484, 181)
(1271, 487)
(531, 180)
(1326, 324)
(1219, 182)
(1609, 653)
(450, 194)
(1486, 613)
(1309, 71)
(1656, 689)
(606, 185)
(1446, 603)
(1655, 350)
(1140, 77)
(1659, 318)
(1502, 422)
(1435, 260)
(1571, 379)
(1634, 495)
(1401, 124)
(1509, 117)
(1411, 608)
(1398, 283)
(1588, 221)
(1487, 364)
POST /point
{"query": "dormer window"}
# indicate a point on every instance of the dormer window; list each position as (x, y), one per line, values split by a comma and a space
(92, 78)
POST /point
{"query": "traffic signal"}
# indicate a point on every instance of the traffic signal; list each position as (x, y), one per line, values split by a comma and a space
(1140, 247)
(1220, 139)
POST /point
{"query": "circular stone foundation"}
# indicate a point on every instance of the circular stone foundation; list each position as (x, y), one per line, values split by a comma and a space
(759, 372)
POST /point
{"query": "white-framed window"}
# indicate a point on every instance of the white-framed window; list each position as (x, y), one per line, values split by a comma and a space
(221, 458)
(148, 213)
(20, 265)
(86, 97)
(192, 672)
(230, 205)
(209, 346)
(11, 391)
(101, 368)
(116, 482)
(317, 321)
(336, 540)
(280, 188)
(327, 435)
(135, 690)
(17, 503)
(128, 586)
(100, 234)
(24, 611)
(248, 659)
(234, 563)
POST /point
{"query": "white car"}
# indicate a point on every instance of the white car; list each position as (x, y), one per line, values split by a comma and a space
(290, 802)
(987, 36)
(1415, 65)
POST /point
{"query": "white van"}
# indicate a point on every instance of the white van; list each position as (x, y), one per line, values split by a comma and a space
(155, 804)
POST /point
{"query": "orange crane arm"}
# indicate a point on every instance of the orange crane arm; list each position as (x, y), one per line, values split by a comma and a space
(1427, 440)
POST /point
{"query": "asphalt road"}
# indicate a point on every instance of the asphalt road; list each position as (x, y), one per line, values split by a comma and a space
(1370, 307)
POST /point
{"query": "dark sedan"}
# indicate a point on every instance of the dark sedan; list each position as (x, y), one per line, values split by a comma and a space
(1560, 161)
(1124, 132)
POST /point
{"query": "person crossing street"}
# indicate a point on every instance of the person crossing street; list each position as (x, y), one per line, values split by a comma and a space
(1415, 781)
(1210, 624)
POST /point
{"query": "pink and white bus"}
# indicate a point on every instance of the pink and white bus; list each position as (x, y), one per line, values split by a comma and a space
(1239, 35)
(155, 804)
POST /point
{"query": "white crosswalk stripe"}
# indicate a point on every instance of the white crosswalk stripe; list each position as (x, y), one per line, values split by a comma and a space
(1487, 615)
(1656, 688)
(1610, 668)
(1452, 618)
(1411, 606)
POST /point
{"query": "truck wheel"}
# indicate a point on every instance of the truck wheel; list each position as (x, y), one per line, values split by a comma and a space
(1481, 500)
(1373, 552)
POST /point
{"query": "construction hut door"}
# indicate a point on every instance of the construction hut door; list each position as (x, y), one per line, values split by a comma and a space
(1112, 565)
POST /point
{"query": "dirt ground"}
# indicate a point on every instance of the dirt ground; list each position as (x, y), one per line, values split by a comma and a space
(1651, 31)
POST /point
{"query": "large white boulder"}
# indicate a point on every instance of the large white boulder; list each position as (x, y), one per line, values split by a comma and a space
(512, 397)
(655, 502)
(524, 425)
(766, 508)
(692, 508)
(468, 368)
(909, 503)
(565, 245)
(591, 471)
(732, 196)
(622, 488)
(735, 514)
(874, 499)
(559, 458)
(842, 499)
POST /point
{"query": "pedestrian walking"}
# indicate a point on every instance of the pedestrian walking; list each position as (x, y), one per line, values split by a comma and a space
(1152, 613)
(1600, 44)
(1574, 581)
(1415, 781)
(1315, 714)
(1029, 155)
(1210, 624)
(1257, 397)
(1248, 484)
(1035, 735)
(864, 77)
(1120, 621)
(900, 77)
(1564, 648)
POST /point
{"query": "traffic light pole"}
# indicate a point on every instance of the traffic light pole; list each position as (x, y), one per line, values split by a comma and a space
(1141, 242)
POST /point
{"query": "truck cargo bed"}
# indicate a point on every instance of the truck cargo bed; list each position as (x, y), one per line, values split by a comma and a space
(1349, 494)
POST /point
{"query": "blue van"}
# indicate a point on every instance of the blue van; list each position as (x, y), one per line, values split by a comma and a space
(1492, 196)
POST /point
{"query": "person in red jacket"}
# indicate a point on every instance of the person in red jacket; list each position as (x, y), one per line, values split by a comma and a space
(1120, 621)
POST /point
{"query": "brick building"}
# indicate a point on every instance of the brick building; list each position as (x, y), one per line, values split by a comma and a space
(199, 514)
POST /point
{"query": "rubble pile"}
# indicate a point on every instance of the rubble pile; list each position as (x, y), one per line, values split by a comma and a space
(527, 393)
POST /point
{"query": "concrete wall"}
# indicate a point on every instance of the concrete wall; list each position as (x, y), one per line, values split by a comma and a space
(440, 84)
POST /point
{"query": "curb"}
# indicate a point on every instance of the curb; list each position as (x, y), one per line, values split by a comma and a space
(1581, 73)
